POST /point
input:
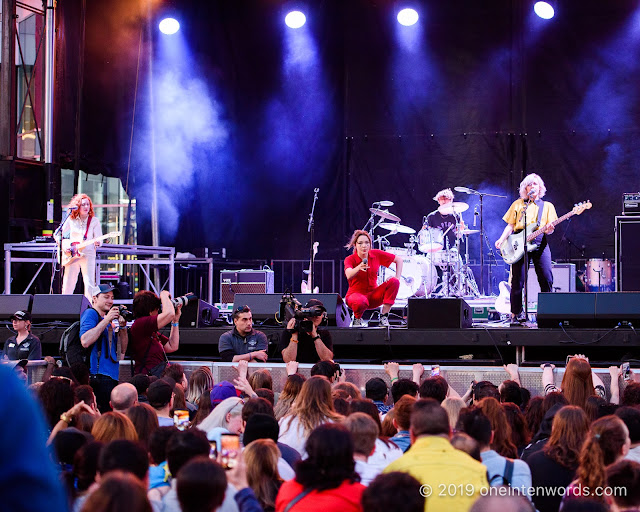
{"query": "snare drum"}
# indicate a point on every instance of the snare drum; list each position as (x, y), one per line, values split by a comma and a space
(450, 258)
(400, 251)
(430, 239)
(598, 276)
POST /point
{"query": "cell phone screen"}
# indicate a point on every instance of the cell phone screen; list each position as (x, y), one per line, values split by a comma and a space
(435, 370)
(626, 373)
(229, 449)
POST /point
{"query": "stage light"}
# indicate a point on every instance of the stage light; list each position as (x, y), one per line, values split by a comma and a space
(169, 26)
(544, 10)
(408, 17)
(295, 19)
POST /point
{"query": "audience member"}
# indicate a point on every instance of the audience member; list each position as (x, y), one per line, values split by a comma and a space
(328, 369)
(624, 474)
(484, 389)
(534, 414)
(141, 383)
(291, 389)
(201, 485)
(631, 418)
(201, 380)
(519, 432)
(467, 444)
(159, 476)
(402, 422)
(631, 394)
(160, 395)
(204, 408)
(506, 502)
(265, 426)
(145, 421)
(261, 379)
(435, 387)
(453, 406)
(224, 419)
(261, 458)
(555, 465)
(364, 432)
(81, 373)
(376, 390)
(84, 393)
(387, 491)
(402, 387)
(578, 383)
(501, 441)
(118, 491)
(388, 429)
(56, 397)
(327, 477)
(123, 396)
(112, 426)
(510, 392)
(175, 371)
(433, 461)
(267, 394)
(348, 387)
(85, 468)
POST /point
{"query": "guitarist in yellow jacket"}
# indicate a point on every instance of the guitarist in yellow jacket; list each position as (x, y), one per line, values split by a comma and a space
(539, 214)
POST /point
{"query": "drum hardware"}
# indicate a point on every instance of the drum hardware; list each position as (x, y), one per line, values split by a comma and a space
(469, 231)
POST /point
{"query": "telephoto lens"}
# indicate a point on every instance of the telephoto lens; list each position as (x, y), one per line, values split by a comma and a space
(184, 299)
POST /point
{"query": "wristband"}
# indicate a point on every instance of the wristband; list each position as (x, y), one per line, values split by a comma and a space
(394, 378)
(317, 338)
(294, 341)
(548, 365)
(175, 324)
(66, 418)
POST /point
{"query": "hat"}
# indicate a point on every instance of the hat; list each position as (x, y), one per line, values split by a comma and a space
(101, 288)
(222, 391)
(315, 303)
(13, 363)
(260, 426)
(21, 315)
(159, 393)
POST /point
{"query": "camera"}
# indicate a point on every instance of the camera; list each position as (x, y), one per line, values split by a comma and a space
(290, 307)
(184, 300)
(125, 313)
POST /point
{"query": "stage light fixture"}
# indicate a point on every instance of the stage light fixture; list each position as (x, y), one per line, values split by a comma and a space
(544, 10)
(169, 26)
(295, 19)
(408, 17)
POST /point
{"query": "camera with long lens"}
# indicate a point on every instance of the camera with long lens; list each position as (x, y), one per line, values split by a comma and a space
(184, 300)
(125, 313)
(290, 307)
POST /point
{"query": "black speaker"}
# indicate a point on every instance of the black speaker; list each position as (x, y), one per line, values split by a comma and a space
(198, 313)
(627, 249)
(9, 304)
(265, 306)
(588, 310)
(50, 308)
(449, 313)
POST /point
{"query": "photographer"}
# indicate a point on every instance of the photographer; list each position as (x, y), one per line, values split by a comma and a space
(303, 341)
(149, 348)
(243, 343)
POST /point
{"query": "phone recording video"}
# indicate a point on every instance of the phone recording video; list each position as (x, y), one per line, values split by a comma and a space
(229, 449)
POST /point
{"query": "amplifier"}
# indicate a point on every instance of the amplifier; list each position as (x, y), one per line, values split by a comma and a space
(564, 280)
(244, 281)
(631, 203)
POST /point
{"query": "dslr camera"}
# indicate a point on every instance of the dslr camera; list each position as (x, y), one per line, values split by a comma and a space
(125, 313)
(290, 307)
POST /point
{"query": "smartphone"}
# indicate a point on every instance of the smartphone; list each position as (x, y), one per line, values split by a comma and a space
(626, 371)
(229, 449)
(181, 419)
(213, 450)
(435, 370)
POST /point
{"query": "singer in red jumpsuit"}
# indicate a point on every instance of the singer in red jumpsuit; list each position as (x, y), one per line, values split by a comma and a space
(361, 270)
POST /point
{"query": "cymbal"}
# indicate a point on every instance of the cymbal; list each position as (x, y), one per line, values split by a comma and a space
(385, 204)
(449, 208)
(469, 231)
(385, 214)
(397, 228)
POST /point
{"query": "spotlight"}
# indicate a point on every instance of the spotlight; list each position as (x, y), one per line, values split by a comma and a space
(169, 26)
(295, 19)
(544, 10)
(408, 17)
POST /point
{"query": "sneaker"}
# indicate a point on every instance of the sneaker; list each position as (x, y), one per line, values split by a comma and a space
(357, 322)
(384, 321)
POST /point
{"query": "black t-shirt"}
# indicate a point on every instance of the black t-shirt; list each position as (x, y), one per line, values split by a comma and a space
(444, 222)
(306, 347)
(30, 348)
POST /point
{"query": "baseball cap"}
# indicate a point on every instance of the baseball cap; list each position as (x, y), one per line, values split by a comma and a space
(20, 315)
(222, 391)
(159, 393)
(315, 303)
(101, 288)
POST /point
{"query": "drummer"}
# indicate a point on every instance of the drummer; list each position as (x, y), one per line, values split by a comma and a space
(445, 222)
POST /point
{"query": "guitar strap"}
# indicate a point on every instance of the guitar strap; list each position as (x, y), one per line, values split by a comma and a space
(87, 231)
(540, 204)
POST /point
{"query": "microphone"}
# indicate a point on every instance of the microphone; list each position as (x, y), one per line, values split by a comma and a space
(71, 208)
(475, 215)
(462, 189)
(532, 192)
(365, 260)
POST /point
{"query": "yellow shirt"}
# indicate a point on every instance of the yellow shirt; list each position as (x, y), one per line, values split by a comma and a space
(514, 215)
(451, 479)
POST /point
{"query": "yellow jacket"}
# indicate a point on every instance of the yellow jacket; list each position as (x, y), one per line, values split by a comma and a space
(451, 479)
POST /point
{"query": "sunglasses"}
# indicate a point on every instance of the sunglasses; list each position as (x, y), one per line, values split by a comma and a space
(237, 404)
(243, 309)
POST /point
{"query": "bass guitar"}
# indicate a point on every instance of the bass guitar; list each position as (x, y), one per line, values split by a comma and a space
(72, 251)
(512, 249)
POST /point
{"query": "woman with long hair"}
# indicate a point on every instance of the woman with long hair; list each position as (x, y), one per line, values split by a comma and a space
(313, 407)
(201, 379)
(226, 418)
(261, 459)
(204, 408)
(555, 465)
(291, 390)
(520, 434)
(326, 480)
(502, 442)
(112, 426)
(261, 379)
(578, 383)
(606, 442)
(145, 421)
(118, 491)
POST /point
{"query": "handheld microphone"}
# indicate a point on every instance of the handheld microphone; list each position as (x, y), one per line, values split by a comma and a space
(365, 260)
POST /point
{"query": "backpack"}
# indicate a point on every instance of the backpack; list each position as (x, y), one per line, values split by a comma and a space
(71, 350)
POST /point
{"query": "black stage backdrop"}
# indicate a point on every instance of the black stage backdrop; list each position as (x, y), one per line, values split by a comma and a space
(484, 94)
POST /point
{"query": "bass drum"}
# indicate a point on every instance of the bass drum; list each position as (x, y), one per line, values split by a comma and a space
(598, 276)
(419, 277)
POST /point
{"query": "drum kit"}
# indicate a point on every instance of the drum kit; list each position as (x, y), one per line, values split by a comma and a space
(435, 269)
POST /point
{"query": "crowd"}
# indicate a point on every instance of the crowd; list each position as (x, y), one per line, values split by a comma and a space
(168, 442)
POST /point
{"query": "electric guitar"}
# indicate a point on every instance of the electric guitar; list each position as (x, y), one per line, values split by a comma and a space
(305, 286)
(72, 251)
(503, 301)
(512, 249)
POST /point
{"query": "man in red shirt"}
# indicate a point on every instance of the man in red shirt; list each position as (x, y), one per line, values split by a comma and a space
(361, 269)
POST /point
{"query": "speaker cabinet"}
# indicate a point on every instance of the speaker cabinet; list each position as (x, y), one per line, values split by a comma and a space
(244, 281)
(265, 306)
(588, 310)
(627, 254)
(66, 308)
(564, 280)
(449, 313)
(9, 304)
(198, 313)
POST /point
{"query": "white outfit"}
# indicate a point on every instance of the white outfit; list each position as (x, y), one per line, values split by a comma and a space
(383, 455)
(292, 434)
(634, 454)
(366, 471)
(75, 229)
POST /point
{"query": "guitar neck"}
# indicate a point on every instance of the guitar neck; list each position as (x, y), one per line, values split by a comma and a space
(538, 232)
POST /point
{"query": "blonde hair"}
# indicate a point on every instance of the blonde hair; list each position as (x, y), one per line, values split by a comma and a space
(201, 379)
(313, 406)
(528, 180)
(218, 417)
(447, 193)
(453, 406)
(112, 426)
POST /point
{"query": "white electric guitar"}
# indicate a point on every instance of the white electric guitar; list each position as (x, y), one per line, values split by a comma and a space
(72, 251)
(512, 248)
(305, 286)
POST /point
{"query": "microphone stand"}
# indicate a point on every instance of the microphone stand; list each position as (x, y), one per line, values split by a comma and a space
(482, 195)
(310, 229)
(57, 232)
